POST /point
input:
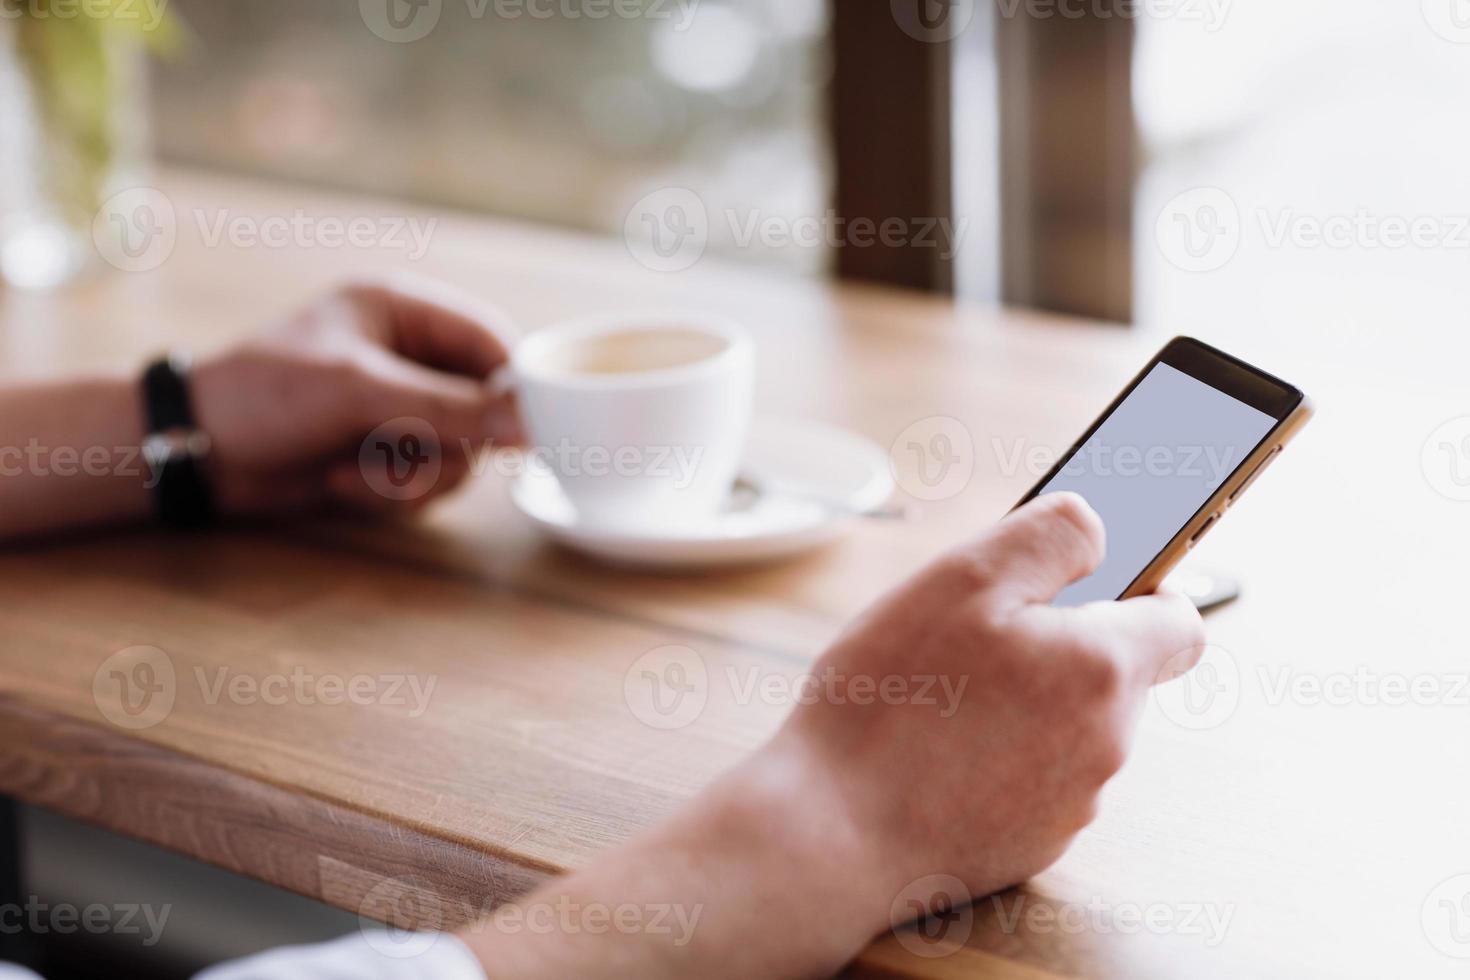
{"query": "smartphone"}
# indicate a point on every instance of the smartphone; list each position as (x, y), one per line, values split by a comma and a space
(1187, 437)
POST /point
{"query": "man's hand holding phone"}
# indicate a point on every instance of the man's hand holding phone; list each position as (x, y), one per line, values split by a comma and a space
(1045, 718)
(824, 828)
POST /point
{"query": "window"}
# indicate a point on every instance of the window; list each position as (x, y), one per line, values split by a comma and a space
(1305, 181)
(563, 111)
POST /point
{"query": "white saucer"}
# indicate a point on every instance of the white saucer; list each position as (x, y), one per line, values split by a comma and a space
(802, 485)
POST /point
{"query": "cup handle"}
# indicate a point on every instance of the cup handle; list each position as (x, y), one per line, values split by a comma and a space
(503, 380)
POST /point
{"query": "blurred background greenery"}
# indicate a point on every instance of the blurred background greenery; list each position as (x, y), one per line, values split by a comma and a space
(554, 119)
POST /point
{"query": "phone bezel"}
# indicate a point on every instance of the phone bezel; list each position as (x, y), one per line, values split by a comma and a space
(1265, 392)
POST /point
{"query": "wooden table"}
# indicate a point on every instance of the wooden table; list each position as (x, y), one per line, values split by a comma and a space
(1317, 830)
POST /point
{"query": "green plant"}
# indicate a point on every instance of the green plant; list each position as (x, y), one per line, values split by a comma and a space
(69, 51)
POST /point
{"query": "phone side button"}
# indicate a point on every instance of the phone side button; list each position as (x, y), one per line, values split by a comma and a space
(1260, 468)
(1204, 528)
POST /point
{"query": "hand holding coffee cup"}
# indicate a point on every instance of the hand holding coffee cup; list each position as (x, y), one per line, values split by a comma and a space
(642, 419)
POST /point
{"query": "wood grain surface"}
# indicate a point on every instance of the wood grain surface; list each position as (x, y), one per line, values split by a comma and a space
(1274, 836)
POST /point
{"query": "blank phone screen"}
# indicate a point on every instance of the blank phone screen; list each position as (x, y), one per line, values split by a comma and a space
(1150, 466)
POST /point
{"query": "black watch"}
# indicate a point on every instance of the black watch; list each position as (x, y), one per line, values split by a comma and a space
(175, 448)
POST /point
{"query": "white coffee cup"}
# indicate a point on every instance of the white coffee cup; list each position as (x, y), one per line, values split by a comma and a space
(641, 417)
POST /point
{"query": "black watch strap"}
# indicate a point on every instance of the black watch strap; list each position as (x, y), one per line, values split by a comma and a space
(176, 450)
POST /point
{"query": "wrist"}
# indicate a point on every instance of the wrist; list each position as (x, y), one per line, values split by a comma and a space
(779, 833)
(764, 869)
(216, 394)
(71, 455)
(114, 414)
